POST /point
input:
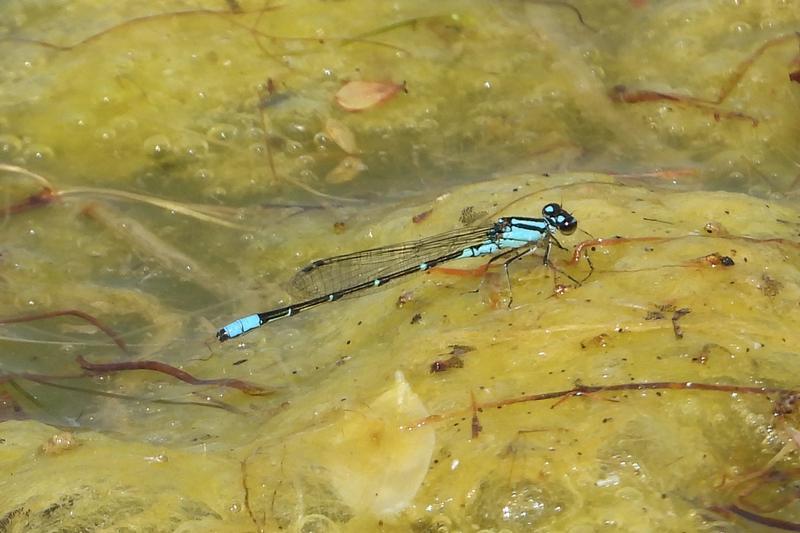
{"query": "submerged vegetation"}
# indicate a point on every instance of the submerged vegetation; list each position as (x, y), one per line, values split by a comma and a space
(643, 379)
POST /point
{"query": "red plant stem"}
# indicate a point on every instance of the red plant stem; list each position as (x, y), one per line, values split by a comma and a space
(133, 22)
(622, 94)
(757, 518)
(612, 241)
(113, 335)
(576, 254)
(585, 390)
(40, 199)
(177, 373)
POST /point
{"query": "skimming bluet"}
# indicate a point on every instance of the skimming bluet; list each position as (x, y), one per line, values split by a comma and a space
(328, 280)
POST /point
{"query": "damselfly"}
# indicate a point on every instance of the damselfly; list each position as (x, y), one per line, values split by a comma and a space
(327, 280)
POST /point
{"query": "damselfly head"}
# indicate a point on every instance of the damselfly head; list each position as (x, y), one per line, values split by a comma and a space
(559, 218)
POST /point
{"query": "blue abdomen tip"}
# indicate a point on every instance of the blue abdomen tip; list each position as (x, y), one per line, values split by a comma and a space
(239, 327)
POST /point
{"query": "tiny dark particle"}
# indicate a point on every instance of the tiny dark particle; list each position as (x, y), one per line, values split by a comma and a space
(416, 318)
(239, 362)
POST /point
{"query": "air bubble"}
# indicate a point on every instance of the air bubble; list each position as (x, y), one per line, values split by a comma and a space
(10, 145)
(293, 147)
(157, 146)
(203, 174)
(106, 134)
(306, 161)
(322, 141)
(222, 133)
(740, 27)
(428, 124)
(193, 145)
(630, 494)
(39, 152)
(124, 123)
(255, 133)
(308, 175)
(297, 129)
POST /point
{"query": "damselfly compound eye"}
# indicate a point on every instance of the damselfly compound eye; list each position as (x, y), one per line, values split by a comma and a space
(568, 224)
(551, 210)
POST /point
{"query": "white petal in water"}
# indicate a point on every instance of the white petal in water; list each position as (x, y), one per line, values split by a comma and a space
(347, 169)
(341, 135)
(376, 465)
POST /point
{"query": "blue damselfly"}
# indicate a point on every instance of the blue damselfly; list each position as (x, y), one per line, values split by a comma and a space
(328, 280)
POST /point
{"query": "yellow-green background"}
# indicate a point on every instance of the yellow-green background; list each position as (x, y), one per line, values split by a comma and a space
(505, 101)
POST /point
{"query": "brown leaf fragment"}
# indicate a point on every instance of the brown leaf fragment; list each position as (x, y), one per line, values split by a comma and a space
(475, 423)
(770, 287)
(470, 215)
(676, 316)
(714, 227)
(598, 341)
(419, 217)
(708, 351)
(361, 95)
(460, 349)
(716, 259)
(443, 365)
(59, 443)
(404, 298)
(786, 404)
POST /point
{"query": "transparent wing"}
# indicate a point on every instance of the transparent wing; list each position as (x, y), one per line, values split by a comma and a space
(342, 271)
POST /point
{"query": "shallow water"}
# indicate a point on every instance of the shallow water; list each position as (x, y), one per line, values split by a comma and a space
(167, 168)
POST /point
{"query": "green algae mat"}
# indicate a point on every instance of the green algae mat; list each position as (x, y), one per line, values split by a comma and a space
(166, 169)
